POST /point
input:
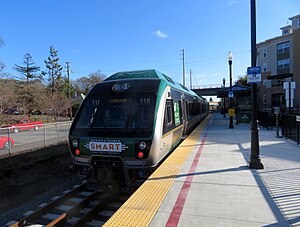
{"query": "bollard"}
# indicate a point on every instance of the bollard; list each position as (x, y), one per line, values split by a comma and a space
(276, 112)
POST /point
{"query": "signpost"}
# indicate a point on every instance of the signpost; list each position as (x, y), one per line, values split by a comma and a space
(254, 74)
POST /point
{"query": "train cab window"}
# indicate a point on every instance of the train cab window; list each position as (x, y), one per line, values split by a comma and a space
(120, 115)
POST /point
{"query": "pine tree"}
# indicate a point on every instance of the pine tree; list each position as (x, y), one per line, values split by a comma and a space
(29, 70)
(54, 71)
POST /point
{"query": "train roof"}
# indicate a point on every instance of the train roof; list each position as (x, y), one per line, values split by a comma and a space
(149, 74)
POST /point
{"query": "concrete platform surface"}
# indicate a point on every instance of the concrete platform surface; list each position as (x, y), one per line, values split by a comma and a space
(215, 186)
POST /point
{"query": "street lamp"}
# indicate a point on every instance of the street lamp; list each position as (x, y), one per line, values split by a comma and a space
(230, 94)
(224, 80)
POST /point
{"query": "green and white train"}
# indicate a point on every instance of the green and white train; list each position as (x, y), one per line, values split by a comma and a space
(129, 123)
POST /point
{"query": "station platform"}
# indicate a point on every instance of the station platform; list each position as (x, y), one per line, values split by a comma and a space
(207, 182)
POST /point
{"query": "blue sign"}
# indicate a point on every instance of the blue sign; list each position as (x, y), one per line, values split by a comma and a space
(254, 70)
(254, 74)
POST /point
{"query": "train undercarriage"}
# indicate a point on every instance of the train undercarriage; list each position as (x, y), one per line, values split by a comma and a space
(110, 174)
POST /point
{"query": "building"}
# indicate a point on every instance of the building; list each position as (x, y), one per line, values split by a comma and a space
(279, 58)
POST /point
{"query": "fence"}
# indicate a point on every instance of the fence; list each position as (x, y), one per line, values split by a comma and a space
(267, 120)
(290, 127)
(47, 135)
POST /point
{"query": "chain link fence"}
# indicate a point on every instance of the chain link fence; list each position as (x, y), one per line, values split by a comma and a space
(46, 135)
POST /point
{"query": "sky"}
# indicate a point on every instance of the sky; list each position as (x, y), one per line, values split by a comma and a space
(119, 35)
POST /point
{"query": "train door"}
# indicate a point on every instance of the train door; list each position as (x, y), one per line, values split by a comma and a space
(184, 117)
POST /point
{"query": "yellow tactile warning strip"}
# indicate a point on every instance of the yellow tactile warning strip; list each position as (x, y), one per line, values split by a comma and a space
(141, 207)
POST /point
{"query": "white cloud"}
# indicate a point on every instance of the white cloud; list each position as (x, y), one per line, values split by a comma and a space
(160, 34)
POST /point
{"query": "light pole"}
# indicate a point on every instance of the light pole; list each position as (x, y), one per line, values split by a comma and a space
(224, 109)
(230, 112)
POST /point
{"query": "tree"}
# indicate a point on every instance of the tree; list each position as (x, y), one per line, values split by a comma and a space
(242, 80)
(8, 94)
(84, 84)
(54, 71)
(29, 70)
(31, 96)
(56, 106)
(58, 103)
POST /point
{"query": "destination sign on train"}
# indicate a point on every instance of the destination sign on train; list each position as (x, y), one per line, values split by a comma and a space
(118, 100)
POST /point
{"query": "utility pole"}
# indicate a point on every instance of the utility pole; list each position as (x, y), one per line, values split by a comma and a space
(69, 90)
(191, 84)
(183, 67)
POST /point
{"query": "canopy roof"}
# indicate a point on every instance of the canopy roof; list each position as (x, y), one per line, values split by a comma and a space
(237, 90)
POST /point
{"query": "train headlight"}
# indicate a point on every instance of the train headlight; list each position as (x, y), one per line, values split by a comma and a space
(75, 143)
(142, 145)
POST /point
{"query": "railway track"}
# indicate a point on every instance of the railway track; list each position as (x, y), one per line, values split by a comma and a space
(80, 206)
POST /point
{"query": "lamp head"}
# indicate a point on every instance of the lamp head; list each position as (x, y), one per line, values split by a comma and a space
(230, 56)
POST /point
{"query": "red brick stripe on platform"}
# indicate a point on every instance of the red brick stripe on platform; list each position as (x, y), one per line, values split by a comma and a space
(178, 207)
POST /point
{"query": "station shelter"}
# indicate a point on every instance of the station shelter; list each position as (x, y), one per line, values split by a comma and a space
(241, 101)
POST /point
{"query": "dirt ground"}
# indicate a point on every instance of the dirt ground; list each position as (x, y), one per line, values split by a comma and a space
(27, 175)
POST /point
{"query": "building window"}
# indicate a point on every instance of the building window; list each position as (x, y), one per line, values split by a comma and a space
(264, 99)
(283, 47)
(276, 83)
(283, 64)
(265, 67)
(265, 52)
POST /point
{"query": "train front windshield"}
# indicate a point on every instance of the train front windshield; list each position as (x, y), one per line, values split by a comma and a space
(119, 116)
